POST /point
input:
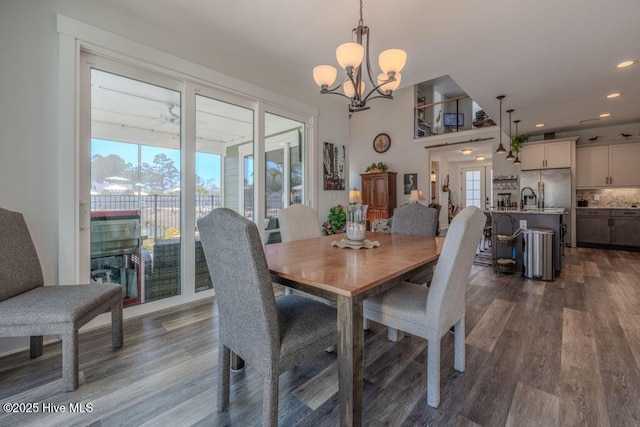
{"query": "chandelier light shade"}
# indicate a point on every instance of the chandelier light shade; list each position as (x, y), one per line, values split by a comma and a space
(350, 55)
(500, 149)
(325, 75)
(353, 57)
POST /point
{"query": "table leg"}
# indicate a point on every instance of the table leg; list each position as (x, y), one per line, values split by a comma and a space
(350, 360)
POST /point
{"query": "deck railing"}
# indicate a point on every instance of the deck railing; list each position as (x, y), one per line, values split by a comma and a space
(160, 213)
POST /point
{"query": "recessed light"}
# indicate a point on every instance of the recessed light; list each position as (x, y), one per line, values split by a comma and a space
(480, 158)
(605, 114)
(467, 151)
(539, 125)
(613, 95)
(626, 64)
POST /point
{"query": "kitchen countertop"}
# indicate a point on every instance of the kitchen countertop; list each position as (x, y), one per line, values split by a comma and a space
(605, 207)
(545, 211)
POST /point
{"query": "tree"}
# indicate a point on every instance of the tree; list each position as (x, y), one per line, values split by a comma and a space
(111, 165)
(162, 175)
(274, 177)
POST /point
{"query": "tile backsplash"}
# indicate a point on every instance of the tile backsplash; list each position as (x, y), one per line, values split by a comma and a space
(610, 197)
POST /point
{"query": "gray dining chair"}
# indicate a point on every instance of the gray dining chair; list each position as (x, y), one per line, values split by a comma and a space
(416, 219)
(429, 312)
(272, 335)
(298, 222)
(28, 308)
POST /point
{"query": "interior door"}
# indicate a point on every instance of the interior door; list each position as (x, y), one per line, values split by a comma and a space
(474, 187)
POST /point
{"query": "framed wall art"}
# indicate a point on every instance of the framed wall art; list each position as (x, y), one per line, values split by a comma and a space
(333, 159)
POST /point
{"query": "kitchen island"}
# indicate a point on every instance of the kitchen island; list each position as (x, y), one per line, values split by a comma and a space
(507, 222)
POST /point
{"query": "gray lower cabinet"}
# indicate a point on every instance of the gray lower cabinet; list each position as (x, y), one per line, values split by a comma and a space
(625, 227)
(616, 227)
(592, 226)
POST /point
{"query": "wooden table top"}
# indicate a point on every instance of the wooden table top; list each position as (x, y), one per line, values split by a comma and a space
(346, 271)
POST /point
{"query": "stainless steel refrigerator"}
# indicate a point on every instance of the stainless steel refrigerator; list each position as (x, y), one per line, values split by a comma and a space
(553, 190)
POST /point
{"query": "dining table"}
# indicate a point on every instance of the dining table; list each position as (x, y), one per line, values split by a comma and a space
(346, 276)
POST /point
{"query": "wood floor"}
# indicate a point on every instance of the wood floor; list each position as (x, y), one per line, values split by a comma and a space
(546, 354)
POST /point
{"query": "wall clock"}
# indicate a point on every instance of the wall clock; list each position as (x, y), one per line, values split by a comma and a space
(381, 143)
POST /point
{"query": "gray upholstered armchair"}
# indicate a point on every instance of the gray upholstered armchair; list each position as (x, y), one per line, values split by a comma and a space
(429, 313)
(271, 335)
(28, 308)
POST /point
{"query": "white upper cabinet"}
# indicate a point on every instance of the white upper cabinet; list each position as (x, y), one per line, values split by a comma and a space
(548, 155)
(608, 166)
(624, 165)
(592, 167)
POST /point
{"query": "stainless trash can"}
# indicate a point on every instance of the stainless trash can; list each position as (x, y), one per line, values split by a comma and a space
(538, 254)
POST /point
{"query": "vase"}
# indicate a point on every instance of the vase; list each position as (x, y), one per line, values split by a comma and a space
(356, 223)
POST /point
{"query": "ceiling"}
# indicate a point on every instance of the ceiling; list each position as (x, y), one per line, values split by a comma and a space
(554, 60)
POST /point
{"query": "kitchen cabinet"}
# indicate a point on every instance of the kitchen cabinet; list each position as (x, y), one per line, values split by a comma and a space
(592, 167)
(593, 226)
(623, 164)
(609, 227)
(548, 155)
(613, 165)
(379, 192)
(625, 227)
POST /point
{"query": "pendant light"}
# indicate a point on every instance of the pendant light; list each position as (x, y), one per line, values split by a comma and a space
(500, 149)
(517, 160)
(510, 156)
(353, 57)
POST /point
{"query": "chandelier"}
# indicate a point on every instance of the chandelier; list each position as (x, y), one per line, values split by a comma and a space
(350, 56)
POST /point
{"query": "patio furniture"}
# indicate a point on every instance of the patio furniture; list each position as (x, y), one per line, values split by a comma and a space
(28, 308)
(272, 335)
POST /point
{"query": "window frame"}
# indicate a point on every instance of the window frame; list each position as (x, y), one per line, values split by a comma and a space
(72, 210)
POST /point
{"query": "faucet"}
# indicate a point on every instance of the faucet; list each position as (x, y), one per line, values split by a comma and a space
(522, 197)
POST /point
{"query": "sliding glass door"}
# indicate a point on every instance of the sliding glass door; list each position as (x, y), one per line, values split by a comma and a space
(223, 164)
(156, 154)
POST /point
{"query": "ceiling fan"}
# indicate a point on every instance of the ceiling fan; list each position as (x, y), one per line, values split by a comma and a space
(170, 116)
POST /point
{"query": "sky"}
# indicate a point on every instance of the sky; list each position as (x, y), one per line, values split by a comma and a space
(207, 165)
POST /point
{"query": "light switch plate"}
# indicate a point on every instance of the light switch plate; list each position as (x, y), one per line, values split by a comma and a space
(596, 197)
(523, 224)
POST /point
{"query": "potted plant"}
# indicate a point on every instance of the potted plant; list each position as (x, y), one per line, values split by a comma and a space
(336, 220)
(376, 167)
(517, 141)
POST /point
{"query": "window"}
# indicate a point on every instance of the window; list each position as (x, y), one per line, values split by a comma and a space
(162, 152)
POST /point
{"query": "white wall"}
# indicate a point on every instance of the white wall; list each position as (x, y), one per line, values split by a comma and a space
(395, 118)
(29, 94)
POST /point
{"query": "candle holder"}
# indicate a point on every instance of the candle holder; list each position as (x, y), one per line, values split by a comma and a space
(356, 224)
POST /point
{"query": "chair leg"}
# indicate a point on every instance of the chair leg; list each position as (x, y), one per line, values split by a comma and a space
(365, 324)
(287, 290)
(393, 335)
(35, 346)
(270, 400)
(433, 373)
(117, 330)
(458, 330)
(70, 361)
(224, 362)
